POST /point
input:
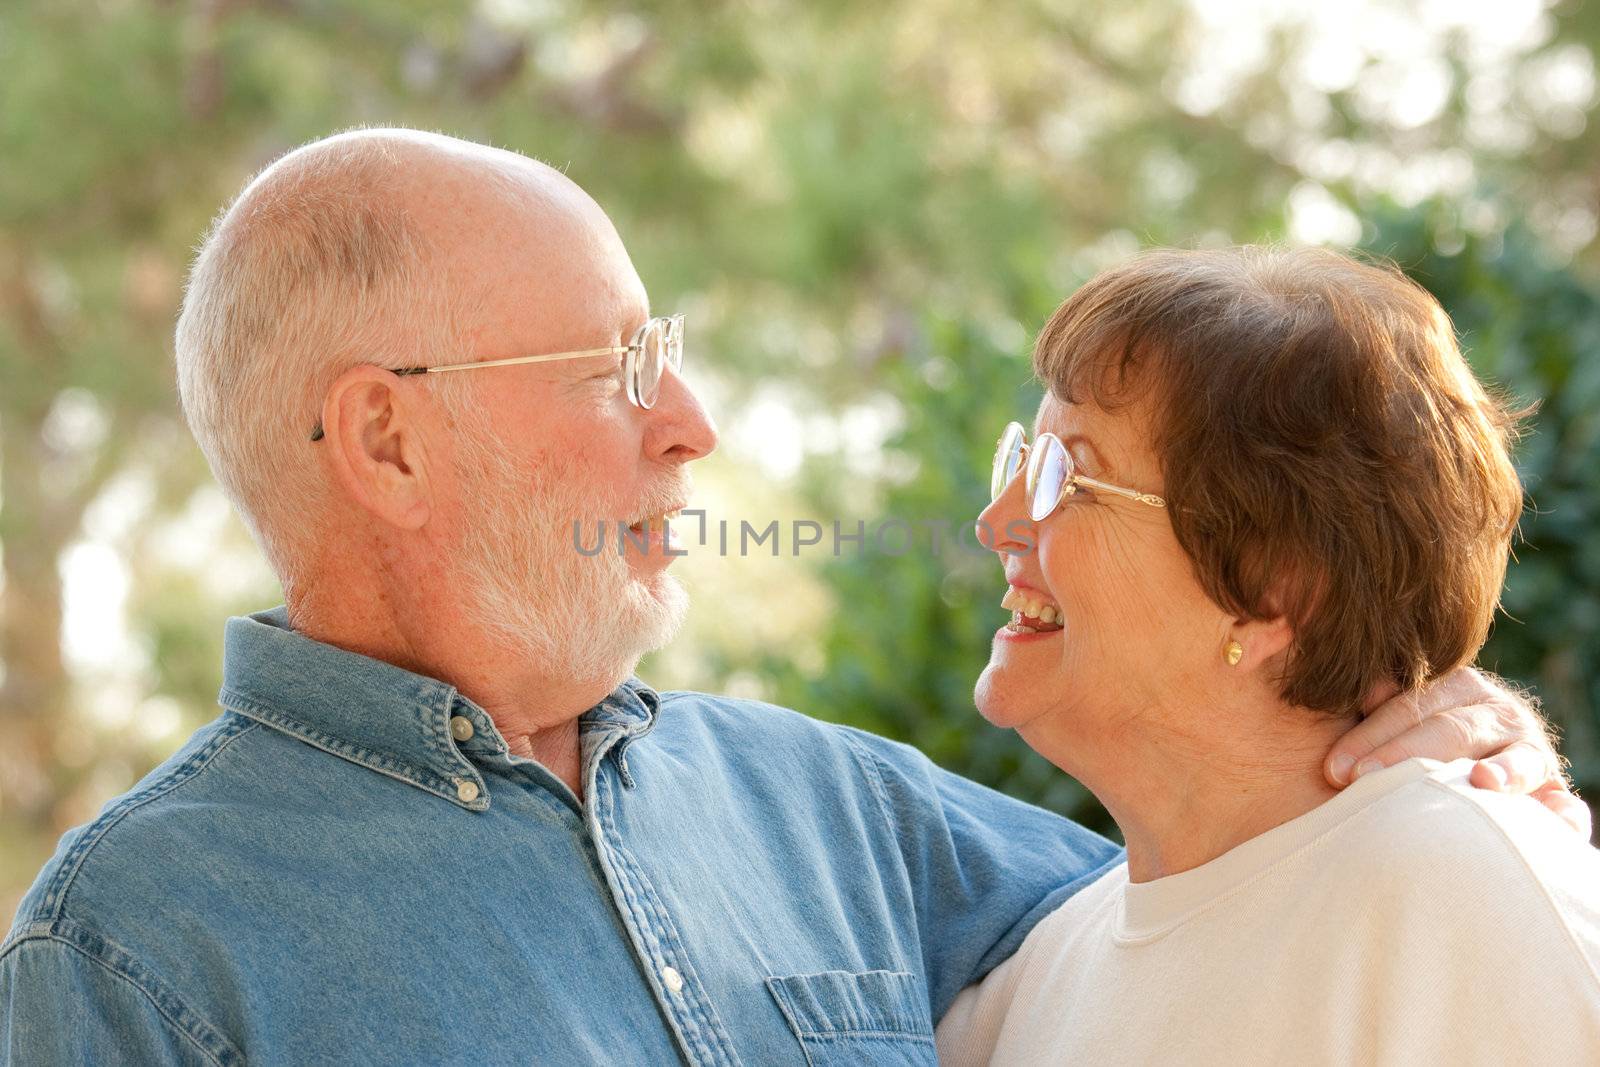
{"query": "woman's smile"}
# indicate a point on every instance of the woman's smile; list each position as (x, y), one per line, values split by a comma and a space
(1033, 614)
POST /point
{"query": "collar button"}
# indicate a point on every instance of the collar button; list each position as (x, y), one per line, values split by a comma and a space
(461, 728)
(466, 790)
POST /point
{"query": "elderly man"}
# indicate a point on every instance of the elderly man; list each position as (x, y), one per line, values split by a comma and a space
(437, 820)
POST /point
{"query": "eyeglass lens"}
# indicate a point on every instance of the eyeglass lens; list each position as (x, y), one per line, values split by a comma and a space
(659, 343)
(1049, 473)
(1007, 459)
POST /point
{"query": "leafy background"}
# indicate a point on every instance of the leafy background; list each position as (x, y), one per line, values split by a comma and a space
(865, 209)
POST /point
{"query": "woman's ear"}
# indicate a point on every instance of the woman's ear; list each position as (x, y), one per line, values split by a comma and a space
(1261, 640)
(374, 447)
(1252, 642)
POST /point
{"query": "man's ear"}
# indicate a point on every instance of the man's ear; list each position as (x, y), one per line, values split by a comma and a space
(374, 446)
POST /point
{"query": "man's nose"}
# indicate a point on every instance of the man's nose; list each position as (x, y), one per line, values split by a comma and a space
(680, 429)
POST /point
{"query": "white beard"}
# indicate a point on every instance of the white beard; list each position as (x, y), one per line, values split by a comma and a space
(528, 587)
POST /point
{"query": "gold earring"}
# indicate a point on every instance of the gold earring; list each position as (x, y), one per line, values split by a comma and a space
(1233, 652)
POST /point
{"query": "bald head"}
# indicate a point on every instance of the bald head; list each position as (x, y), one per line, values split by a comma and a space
(529, 257)
(386, 247)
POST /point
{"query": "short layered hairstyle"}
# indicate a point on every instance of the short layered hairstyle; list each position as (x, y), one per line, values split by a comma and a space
(1327, 454)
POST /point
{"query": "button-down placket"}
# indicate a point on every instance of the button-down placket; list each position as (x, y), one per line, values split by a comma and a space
(605, 733)
(625, 716)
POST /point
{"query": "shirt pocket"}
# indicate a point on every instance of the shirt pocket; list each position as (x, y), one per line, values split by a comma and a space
(844, 1017)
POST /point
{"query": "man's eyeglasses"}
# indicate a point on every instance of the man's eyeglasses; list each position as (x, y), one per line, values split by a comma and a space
(656, 345)
(1051, 476)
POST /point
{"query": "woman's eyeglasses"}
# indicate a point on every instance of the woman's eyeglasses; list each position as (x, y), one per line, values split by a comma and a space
(1051, 475)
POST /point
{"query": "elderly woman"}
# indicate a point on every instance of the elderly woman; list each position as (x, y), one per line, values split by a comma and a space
(1265, 492)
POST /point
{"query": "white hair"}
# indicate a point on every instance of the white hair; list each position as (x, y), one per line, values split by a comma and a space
(525, 582)
(316, 266)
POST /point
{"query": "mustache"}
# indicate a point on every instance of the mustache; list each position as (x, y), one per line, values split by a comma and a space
(667, 496)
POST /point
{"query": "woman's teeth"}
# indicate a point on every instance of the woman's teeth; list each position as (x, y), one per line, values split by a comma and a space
(1030, 613)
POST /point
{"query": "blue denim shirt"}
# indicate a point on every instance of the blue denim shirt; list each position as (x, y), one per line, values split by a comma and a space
(348, 866)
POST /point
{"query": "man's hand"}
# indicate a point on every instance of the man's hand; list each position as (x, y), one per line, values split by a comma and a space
(1464, 714)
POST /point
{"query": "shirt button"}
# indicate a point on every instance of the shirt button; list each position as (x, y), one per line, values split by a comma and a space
(672, 978)
(466, 791)
(461, 728)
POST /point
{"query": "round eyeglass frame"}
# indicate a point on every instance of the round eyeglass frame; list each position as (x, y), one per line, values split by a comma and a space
(656, 345)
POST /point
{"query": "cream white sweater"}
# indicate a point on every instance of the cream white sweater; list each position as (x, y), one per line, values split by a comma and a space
(1410, 920)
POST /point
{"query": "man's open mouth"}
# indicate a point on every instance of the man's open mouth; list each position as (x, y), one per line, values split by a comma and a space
(654, 523)
(1031, 612)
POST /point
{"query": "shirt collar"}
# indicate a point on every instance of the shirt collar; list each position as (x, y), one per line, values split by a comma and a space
(378, 715)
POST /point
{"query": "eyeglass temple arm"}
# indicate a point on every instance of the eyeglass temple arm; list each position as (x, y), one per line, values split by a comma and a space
(1131, 494)
(316, 433)
(614, 351)
(407, 371)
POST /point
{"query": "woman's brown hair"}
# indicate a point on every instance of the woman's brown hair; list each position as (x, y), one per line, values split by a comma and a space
(1327, 454)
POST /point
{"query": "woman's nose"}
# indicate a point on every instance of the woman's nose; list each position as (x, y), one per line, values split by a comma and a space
(1003, 526)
